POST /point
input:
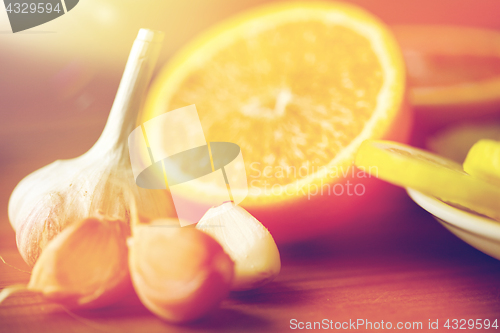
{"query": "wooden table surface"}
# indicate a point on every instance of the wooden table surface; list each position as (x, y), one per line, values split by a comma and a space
(404, 268)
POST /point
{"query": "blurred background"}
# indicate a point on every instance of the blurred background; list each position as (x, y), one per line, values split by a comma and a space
(101, 31)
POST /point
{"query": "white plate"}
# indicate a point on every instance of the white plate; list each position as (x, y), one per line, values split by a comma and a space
(481, 232)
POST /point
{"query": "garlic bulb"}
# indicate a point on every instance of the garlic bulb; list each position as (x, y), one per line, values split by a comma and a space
(63, 192)
(179, 274)
(248, 243)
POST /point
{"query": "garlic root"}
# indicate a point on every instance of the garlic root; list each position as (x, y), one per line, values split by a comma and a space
(248, 243)
(180, 274)
(51, 198)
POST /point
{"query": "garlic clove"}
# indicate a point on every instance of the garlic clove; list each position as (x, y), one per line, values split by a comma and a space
(248, 243)
(180, 274)
(86, 265)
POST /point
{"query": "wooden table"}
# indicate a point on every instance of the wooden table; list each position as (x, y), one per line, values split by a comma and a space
(404, 268)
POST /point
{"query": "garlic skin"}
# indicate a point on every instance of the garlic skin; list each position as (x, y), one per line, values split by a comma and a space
(84, 266)
(179, 274)
(55, 196)
(50, 199)
(248, 243)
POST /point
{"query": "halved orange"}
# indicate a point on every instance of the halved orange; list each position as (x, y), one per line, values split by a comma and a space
(298, 86)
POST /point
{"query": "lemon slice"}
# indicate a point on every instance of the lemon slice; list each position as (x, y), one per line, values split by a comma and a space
(428, 173)
(483, 161)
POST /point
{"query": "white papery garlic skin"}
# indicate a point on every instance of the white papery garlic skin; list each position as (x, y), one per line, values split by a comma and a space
(248, 243)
